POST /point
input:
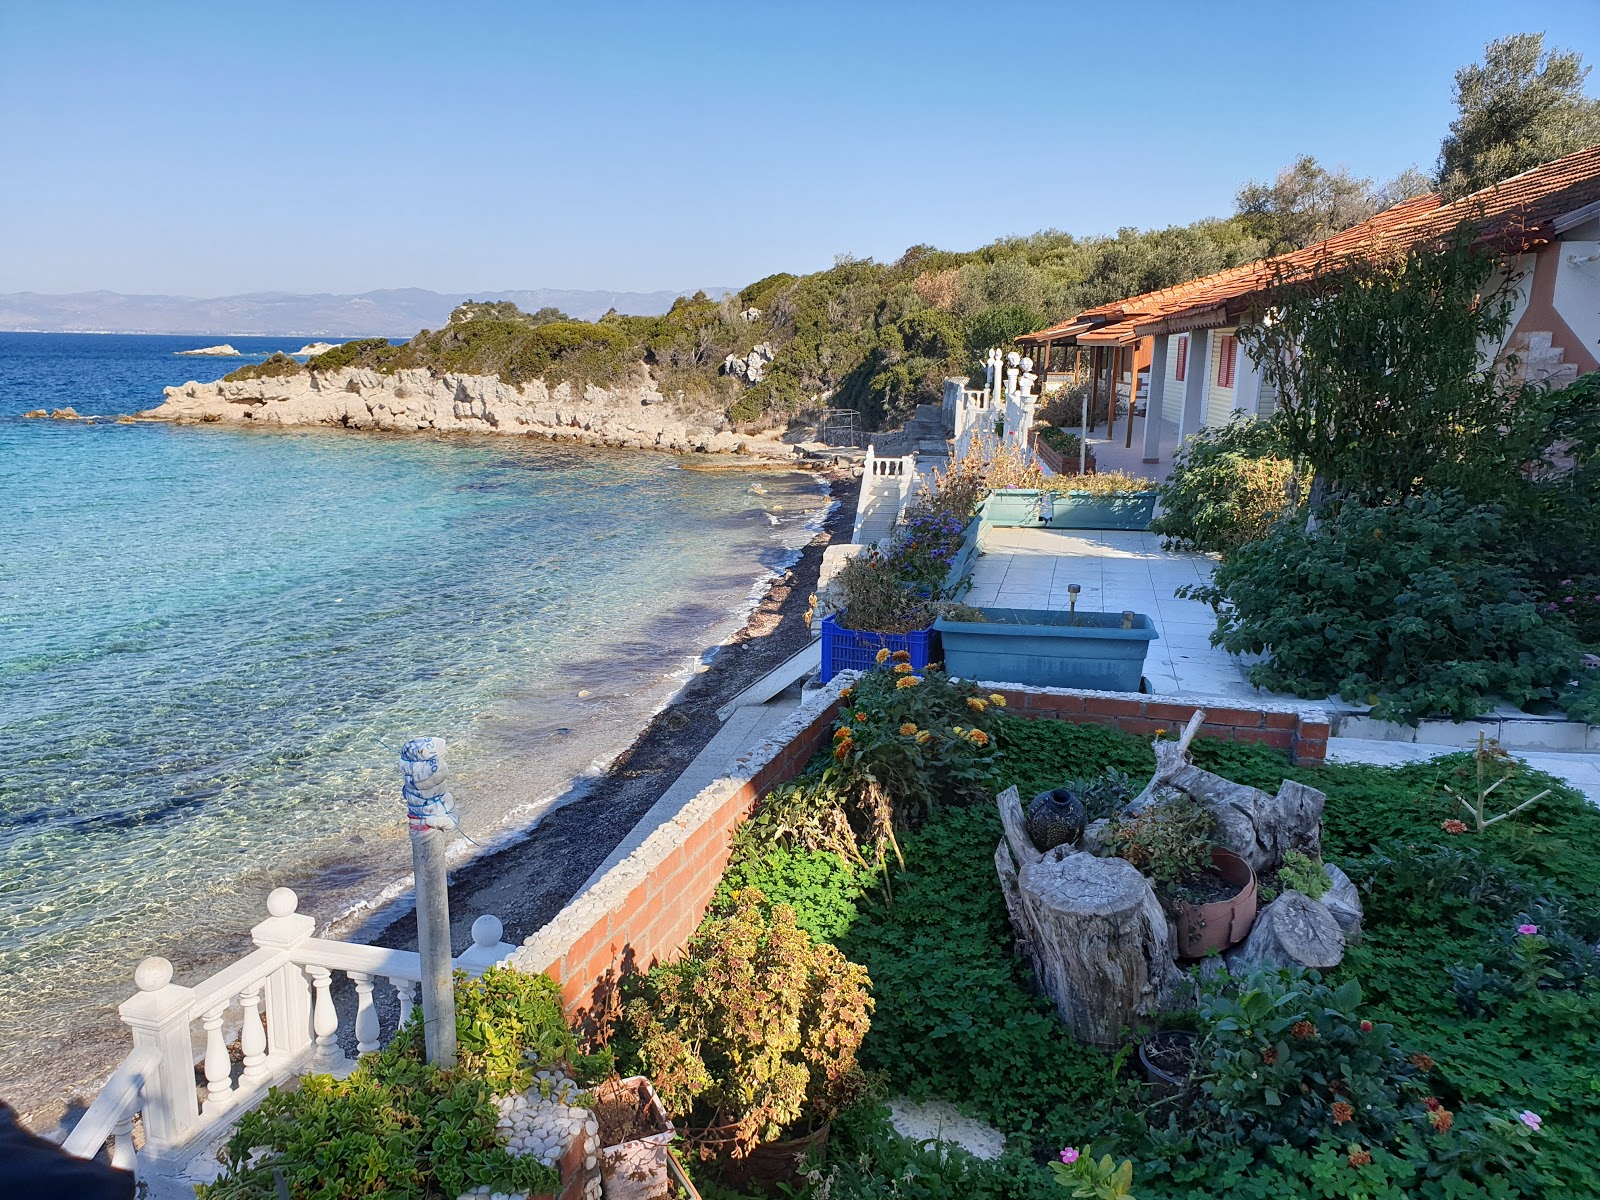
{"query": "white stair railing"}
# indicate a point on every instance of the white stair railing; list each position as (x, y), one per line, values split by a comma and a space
(288, 1026)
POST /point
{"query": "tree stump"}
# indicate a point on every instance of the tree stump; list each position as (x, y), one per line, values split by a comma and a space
(1100, 945)
(1293, 931)
(1344, 902)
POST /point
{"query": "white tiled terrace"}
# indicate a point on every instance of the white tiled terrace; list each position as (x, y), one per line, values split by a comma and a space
(1031, 568)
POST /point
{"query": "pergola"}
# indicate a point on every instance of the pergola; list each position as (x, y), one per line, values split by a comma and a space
(1112, 349)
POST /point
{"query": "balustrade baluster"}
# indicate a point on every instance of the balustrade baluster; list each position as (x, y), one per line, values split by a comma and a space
(406, 991)
(324, 1019)
(123, 1157)
(219, 1071)
(253, 1036)
(366, 1014)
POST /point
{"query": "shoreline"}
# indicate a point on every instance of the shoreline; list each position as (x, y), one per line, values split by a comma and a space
(529, 878)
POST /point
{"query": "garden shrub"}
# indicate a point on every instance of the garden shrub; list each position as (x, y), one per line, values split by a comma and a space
(820, 886)
(1418, 607)
(275, 366)
(400, 1127)
(754, 1031)
(1228, 484)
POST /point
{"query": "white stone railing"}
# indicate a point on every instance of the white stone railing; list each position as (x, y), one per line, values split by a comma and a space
(288, 1026)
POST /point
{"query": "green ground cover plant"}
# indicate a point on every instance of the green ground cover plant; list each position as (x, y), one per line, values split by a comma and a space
(1468, 1015)
(399, 1127)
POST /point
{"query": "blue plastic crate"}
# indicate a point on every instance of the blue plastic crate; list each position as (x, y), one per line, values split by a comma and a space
(857, 650)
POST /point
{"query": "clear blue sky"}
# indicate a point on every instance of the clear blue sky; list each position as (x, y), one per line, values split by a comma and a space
(343, 146)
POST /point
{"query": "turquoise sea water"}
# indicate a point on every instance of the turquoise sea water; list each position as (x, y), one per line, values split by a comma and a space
(211, 638)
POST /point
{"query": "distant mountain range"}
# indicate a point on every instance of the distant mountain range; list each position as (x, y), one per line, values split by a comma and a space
(395, 312)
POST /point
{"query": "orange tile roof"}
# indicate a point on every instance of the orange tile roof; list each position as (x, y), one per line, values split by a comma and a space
(1517, 214)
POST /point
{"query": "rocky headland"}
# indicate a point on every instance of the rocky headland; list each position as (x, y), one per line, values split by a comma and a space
(222, 351)
(632, 414)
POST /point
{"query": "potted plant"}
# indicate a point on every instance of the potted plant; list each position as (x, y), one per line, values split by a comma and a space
(1105, 500)
(635, 1132)
(1168, 1059)
(1047, 647)
(751, 1040)
(1207, 890)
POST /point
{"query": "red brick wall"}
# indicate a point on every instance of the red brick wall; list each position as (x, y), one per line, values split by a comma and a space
(654, 921)
(1306, 741)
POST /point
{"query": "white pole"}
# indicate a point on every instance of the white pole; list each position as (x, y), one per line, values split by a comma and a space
(1083, 439)
(431, 810)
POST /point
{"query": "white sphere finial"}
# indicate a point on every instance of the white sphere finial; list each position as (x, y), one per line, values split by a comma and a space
(486, 930)
(152, 974)
(1013, 359)
(281, 902)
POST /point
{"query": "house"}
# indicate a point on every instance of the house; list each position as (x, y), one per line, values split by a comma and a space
(1176, 354)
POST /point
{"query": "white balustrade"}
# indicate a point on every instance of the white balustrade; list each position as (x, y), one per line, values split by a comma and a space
(288, 1025)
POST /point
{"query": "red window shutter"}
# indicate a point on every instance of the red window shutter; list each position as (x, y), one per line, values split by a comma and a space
(1183, 356)
(1227, 355)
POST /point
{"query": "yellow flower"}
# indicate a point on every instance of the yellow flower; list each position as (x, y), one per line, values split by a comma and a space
(908, 730)
(846, 694)
(907, 681)
(903, 668)
(996, 699)
(902, 656)
(978, 737)
(883, 655)
(924, 737)
(957, 730)
(975, 704)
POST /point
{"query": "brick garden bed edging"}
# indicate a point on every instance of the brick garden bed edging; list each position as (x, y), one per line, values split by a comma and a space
(643, 909)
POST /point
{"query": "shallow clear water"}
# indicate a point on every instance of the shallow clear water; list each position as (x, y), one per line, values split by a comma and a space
(211, 640)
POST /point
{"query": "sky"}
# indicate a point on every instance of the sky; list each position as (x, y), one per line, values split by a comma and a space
(211, 149)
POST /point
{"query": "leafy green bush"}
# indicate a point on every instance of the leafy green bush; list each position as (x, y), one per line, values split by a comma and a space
(1419, 607)
(1228, 484)
(276, 366)
(755, 1030)
(819, 885)
(399, 1127)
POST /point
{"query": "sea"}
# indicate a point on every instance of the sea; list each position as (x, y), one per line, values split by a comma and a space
(213, 641)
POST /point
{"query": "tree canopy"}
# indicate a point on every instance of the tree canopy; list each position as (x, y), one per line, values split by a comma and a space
(1522, 106)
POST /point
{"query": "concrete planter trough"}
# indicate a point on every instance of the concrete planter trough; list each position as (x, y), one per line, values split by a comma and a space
(1070, 510)
(1049, 648)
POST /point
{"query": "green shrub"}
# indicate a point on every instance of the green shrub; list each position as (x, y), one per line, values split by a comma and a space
(819, 885)
(1228, 484)
(275, 366)
(1419, 607)
(753, 1032)
(399, 1127)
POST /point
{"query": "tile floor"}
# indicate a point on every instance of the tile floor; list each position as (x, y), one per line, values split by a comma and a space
(1031, 568)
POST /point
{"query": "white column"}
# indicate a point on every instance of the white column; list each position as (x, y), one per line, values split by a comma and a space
(1156, 397)
(366, 1014)
(252, 1036)
(1196, 384)
(288, 994)
(159, 1017)
(219, 1068)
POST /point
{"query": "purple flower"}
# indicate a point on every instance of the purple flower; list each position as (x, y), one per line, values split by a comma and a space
(1070, 1154)
(1527, 930)
(1531, 1119)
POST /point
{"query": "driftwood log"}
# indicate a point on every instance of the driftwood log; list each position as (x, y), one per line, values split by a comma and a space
(1293, 931)
(1100, 945)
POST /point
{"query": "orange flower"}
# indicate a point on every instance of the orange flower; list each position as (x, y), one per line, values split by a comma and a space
(975, 704)
(1358, 1157)
(1441, 1119)
(996, 699)
(908, 730)
(901, 656)
(924, 738)
(907, 681)
(860, 716)
(1269, 1056)
(841, 750)
(1422, 1062)
(1454, 826)
(1343, 1113)
(882, 656)
(1431, 1103)
(978, 737)
(903, 668)
(1304, 1030)
(846, 694)
(842, 735)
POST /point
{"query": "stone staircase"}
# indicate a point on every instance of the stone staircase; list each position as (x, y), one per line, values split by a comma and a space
(1538, 361)
(879, 506)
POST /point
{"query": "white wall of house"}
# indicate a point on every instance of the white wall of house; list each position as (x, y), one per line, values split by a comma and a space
(1577, 292)
(1219, 396)
(1172, 388)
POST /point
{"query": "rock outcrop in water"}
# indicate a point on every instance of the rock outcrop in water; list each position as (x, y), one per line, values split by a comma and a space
(635, 415)
(222, 351)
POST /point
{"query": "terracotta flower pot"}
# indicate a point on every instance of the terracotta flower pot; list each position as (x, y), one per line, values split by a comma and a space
(1202, 928)
(772, 1163)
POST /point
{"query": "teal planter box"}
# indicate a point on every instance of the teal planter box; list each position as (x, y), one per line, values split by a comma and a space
(959, 577)
(1013, 506)
(1048, 648)
(1079, 510)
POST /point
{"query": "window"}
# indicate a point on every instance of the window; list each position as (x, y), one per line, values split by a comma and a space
(1227, 356)
(1183, 357)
